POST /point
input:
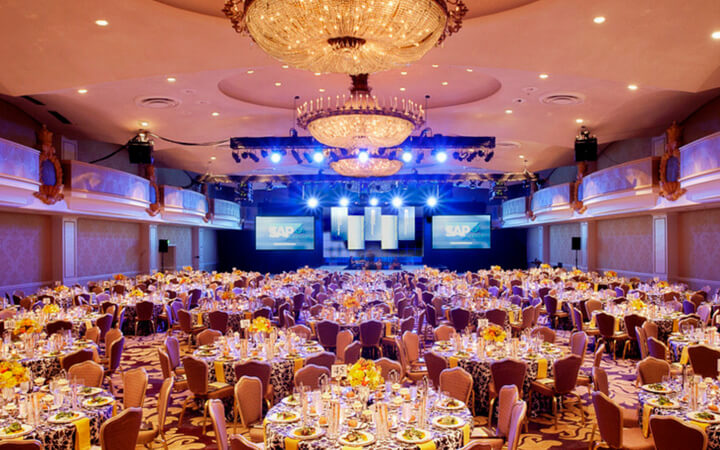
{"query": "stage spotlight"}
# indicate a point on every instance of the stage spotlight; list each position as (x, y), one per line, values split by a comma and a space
(318, 157)
(344, 201)
(431, 201)
(407, 157)
(297, 156)
(363, 157)
(441, 157)
(489, 156)
(275, 157)
(374, 201)
(312, 202)
(397, 202)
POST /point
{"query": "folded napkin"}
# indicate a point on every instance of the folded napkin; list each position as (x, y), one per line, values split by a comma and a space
(511, 315)
(82, 433)
(217, 385)
(466, 433)
(220, 371)
(592, 321)
(452, 361)
(684, 356)
(700, 424)
(647, 410)
(388, 329)
(429, 445)
(200, 319)
(542, 368)
(298, 364)
(291, 444)
(675, 326)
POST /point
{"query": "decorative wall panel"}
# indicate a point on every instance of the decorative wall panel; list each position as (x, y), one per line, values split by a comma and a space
(625, 244)
(560, 243)
(107, 247)
(699, 244)
(25, 249)
(208, 249)
(181, 238)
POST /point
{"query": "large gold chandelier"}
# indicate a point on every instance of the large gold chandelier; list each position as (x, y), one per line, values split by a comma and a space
(346, 36)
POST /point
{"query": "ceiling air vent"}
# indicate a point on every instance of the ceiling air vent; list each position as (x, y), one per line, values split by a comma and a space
(507, 145)
(154, 102)
(60, 117)
(562, 98)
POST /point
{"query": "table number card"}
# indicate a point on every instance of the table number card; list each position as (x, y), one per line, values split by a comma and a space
(245, 323)
(338, 371)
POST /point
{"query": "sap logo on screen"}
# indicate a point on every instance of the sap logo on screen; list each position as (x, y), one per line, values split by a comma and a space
(284, 231)
(460, 230)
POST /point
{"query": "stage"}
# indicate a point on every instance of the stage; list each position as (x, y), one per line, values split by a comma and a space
(339, 268)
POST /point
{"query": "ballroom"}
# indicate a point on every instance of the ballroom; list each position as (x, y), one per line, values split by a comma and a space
(360, 224)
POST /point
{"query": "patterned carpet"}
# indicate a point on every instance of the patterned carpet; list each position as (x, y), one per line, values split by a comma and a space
(570, 434)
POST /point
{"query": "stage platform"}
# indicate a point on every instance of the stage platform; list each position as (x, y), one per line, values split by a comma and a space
(406, 268)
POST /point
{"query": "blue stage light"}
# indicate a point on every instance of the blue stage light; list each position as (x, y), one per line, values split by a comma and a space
(363, 157)
(312, 202)
(374, 201)
(318, 157)
(397, 202)
(441, 157)
(431, 201)
(275, 157)
(344, 201)
(407, 157)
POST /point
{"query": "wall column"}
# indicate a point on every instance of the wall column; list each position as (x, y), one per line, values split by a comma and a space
(148, 248)
(544, 243)
(195, 251)
(588, 254)
(64, 249)
(665, 246)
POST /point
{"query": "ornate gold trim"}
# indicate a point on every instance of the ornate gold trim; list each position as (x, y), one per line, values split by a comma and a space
(575, 203)
(670, 190)
(49, 193)
(154, 208)
(210, 215)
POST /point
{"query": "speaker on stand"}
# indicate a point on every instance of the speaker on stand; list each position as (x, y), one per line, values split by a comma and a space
(163, 247)
(576, 244)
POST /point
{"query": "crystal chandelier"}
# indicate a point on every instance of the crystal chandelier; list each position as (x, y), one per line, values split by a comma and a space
(346, 36)
(360, 120)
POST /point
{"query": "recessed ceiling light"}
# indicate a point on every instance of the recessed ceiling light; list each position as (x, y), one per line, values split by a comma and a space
(444, 83)
(716, 35)
(317, 74)
(212, 158)
(468, 70)
(403, 73)
(82, 91)
(521, 156)
(277, 83)
(402, 89)
(579, 121)
(250, 72)
(633, 87)
(171, 79)
(102, 23)
(543, 76)
(508, 111)
(215, 114)
(321, 90)
(599, 19)
(435, 66)
(144, 123)
(285, 66)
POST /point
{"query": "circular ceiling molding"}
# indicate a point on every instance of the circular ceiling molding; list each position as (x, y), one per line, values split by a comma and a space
(507, 145)
(156, 102)
(276, 87)
(562, 98)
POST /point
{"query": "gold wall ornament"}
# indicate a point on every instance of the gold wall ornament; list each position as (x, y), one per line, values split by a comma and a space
(575, 202)
(210, 214)
(670, 165)
(51, 173)
(346, 36)
(155, 206)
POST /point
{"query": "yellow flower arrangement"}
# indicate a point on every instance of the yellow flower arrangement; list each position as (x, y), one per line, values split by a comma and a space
(119, 277)
(26, 326)
(494, 333)
(351, 301)
(260, 325)
(365, 373)
(481, 293)
(188, 268)
(51, 308)
(496, 268)
(582, 286)
(577, 272)
(546, 282)
(637, 304)
(662, 284)
(226, 295)
(545, 266)
(12, 374)
(137, 293)
(611, 274)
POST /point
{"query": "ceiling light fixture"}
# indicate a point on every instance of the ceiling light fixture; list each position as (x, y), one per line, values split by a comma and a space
(102, 23)
(435, 66)
(402, 89)
(716, 35)
(508, 111)
(285, 66)
(579, 121)
(521, 156)
(82, 91)
(468, 70)
(444, 83)
(215, 114)
(278, 84)
(144, 124)
(374, 201)
(543, 76)
(343, 36)
(633, 87)
(321, 90)
(250, 72)
(599, 19)
(403, 73)
(344, 201)
(171, 79)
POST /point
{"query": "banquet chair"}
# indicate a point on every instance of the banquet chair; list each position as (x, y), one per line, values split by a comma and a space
(172, 348)
(591, 306)
(411, 344)
(352, 352)
(657, 349)
(435, 365)
(671, 433)
(208, 337)
(606, 326)
(703, 360)
(504, 372)
(412, 373)
(458, 383)
(650, 328)
(508, 396)
(689, 321)
(93, 334)
(538, 310)
(652, 370)
(704, 312)
(387, 365)
(26, 303)
(144, 310)
(111, 336)
(217, 417)
(610, 423)
(77, 357)
(344, 338)
(310, 376)
(444, 333)
(260, 370)
(497, 317)
(371, 333)
(459, 318)
(248, 393)
(262, 312)
(601, 383)
(288, 320)
(315, 310)
(642, 342)
(526, 320)
(121, 432)
(88, 373)
(218, 321)
(632, 321)
(21, 444)
(519, 414)
(551, 308)
(104, 323)
(688, 307)
(302, 331)
(114, 359)
(58, 326)
(431, 315)
(298, 301)
(515, 299)
(196, 371)
(186, 326)
(323, 359)
(180, 384)
(580, 325)
(565, 371)
(148, 435)
(545, 333)
(135, 382)
(327, 332)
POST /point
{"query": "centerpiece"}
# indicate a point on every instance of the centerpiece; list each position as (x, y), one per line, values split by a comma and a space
(12, 374)
(611, 274)
(364, 374)
(50, 308)
(26, 326)
(494, 333)
(260, 325)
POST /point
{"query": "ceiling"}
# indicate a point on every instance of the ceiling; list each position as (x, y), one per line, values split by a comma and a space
(492, 65)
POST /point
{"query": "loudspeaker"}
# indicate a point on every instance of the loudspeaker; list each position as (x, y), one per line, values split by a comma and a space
(428, 219)
(576, 244)
(586, 149)
(164, 245)
(140, 152)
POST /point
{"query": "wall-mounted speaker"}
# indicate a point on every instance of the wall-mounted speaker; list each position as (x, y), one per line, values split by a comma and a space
(576, 243)
(586, 149)
(164, 245)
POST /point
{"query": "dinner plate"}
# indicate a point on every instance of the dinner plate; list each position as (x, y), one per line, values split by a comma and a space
(363, 439)
(26, 429)
(694, 416)
(277, 418)
(655, 403)
(294, 433)
(291, 400)
(90, 403)
(443, 404)
(425, 436)
(437, 421)
(54, 419)
(88, 391)
(655, 388)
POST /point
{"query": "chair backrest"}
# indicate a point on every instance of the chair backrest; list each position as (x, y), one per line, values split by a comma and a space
(444, 333)
(407, 324)
(248, 398)
(656, 348)
(344, 338)
(310, 375)
(88, 373)
(165, 364)
(518, 418)
(352, 352)
(302, 331)
(507, 397)
(460, 318)
(508, 371)
(93, 334)
(58, 326)
(632, 321)
(435, 365)
(77, 357)
(388, 365)
(256, 369)
(566, 371)
(578, 344)
(704, 312)
(240, 442)
(104, 322)
(704, 360)
(327, 332)
(172, 348)
(196, 372)
(671, 433)
(551, 304)
(652, 370)
(288, 319)
(121, 432)
(17, 444)
(208, 337)
(609, 418)
(545, 333)
(688, 307)
(605, 324)
(497, 317)
(217, 416)
(113, 335)
(597, 357)
(650, 328)
(324, 359)
(135, 383)
(144, 310)
(185, 320)
(600, 380)
(457, 382)
(592, 305)
(371, 333)
(411, 341)
(218, 321)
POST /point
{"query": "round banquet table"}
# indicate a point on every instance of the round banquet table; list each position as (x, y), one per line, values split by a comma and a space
(283, 367)
(130, 318)
(63, 436)
(442, 438)
(48, 364)
(234, 318)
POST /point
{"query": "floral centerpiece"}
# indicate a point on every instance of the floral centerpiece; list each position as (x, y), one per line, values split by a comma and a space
(577, 272)
(582, 286)
(637, 304)
(364, 373)
(51, 308)
(481, 293)
(611, 274)
(662, 284)
(260, 325)
(119, 277)
(494, 333)
(137, 293)
(188, 268)
(12, 374)
(26, 326)
(545, 266)
(227, 295)
(496, 268)
(351, 301)
(546, 282)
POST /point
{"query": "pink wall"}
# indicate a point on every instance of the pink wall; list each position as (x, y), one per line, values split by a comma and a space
(208, 245)
(699, 244)
(181, 238)
(625, 244)
(560, 243)
(107, 247)
(25, 249)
